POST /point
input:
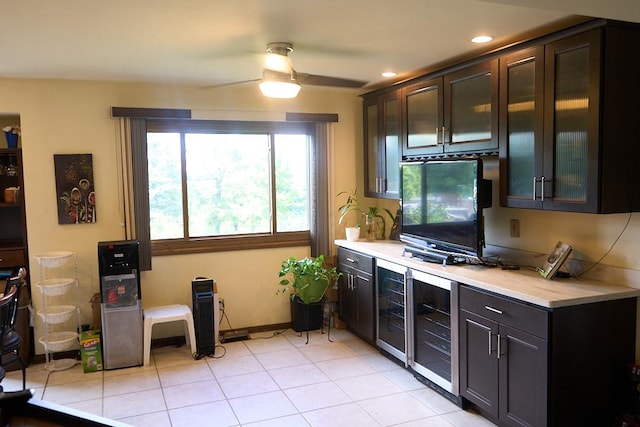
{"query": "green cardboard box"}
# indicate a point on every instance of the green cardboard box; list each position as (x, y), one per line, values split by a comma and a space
(91, 350)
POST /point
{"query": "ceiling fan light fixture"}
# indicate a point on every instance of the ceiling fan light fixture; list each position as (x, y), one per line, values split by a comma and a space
(279, 89)
(278, 85)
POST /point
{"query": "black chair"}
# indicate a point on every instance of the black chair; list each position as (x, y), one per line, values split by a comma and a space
(7, 305)
(11, 340)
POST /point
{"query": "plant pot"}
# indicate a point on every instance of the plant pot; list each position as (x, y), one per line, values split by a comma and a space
(310, 290)
(353, 233)
(305, 317)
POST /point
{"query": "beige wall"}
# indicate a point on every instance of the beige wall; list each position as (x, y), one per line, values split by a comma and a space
(61, 117)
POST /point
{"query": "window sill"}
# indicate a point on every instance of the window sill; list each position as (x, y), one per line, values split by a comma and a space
(235, 243)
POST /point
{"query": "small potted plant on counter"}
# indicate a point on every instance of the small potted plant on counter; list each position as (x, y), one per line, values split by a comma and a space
(351, 208)
(376, 228)
(308, 280)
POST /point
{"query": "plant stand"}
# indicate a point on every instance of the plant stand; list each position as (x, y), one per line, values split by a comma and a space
(310, 317)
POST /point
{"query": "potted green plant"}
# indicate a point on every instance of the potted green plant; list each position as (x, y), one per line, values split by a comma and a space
(376, 228)
(308, 279)
(351, 207)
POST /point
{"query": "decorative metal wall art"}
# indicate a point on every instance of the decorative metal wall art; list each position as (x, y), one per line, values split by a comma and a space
(75, 193)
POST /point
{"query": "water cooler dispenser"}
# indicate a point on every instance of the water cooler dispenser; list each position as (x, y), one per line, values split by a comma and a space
(121, 308)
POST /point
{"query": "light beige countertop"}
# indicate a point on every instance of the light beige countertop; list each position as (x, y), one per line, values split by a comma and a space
(523, 284)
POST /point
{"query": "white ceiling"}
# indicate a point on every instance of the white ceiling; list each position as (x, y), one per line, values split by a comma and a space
(209, 42)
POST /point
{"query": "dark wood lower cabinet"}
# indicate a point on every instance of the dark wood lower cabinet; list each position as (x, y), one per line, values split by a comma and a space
(522, 365)
(357, 293)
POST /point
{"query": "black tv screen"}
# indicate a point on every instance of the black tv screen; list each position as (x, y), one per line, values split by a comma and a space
(442, 202)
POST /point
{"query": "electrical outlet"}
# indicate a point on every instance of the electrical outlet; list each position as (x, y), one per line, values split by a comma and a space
(514, 227)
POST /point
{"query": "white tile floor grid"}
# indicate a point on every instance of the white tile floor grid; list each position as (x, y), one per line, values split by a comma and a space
(278, 381)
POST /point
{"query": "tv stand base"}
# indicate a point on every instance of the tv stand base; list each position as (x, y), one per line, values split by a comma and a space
(434, 257)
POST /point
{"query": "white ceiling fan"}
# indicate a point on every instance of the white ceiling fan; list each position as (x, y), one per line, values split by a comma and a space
(281, 80)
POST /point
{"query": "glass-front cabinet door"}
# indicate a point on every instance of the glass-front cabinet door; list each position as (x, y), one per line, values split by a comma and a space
(549, 125)
(453, 113)
(382, 146)
(521, 99)
(471, 108)
(371, 146)
(423, 106)
(572, 106)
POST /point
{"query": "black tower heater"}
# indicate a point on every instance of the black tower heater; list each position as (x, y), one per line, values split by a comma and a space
(203, 315)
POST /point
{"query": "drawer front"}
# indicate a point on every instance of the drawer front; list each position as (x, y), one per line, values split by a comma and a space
(508, 312)
(13, 258)
(356, 260)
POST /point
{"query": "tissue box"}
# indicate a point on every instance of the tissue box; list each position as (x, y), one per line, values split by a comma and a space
(91, 351)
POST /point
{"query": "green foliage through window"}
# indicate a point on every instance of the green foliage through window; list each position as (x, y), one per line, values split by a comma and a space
(211, 183)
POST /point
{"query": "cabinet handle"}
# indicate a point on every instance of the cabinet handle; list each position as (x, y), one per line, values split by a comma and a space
(351, 260)
(498, 352)
(535, 181)
(495, 310)
(542, 189)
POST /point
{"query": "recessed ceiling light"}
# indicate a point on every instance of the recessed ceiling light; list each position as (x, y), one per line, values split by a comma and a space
(482, 39)
(389, 74)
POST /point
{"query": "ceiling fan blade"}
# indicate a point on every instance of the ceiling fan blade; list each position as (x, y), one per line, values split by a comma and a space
(317, 80)
(230, 84)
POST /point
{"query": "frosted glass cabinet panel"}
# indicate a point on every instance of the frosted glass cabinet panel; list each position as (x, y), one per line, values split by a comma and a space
(424, 115)
(571, 124)
(456, 112)
(521, 106)
(471, 109)
(568, 110)
(382, 146)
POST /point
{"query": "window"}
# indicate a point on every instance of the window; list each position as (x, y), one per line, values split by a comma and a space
(228, 185)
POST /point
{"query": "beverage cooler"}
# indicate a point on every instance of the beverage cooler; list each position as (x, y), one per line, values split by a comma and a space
(417, 322)
(121, 308)
(392, 314)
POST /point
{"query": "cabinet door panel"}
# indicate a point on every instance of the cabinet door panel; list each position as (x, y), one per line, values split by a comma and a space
(478, 361)
(572, 105)
(471, 108)
(523, 382)
(391, 185)
(364, 291)
(347, 305)
(424, 118)
(382, 146)
(371, 146)
(521, 127)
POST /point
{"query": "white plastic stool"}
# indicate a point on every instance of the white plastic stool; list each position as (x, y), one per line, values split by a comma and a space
(164, 314)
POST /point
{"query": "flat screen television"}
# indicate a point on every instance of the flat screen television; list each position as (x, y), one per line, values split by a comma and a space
(442, 202)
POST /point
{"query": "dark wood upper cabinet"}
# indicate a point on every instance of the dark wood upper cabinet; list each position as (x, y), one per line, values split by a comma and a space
(561, 111)
(452, 113)
(424, 117)
(521, 126)
(382, 146)
(568, 114)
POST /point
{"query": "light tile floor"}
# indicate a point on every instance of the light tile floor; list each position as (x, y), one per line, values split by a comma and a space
(270, 380)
